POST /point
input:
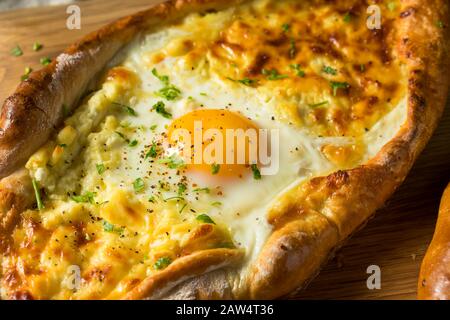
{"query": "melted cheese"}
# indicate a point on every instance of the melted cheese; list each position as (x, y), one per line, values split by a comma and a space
(121, 216)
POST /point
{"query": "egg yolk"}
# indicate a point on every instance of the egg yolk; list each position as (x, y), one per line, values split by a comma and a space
(227, 141)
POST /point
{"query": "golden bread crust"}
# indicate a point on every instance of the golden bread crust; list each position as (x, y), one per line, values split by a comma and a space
(305, 234)
(434, 279)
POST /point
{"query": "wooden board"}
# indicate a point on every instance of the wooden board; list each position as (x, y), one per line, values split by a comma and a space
(395, 240)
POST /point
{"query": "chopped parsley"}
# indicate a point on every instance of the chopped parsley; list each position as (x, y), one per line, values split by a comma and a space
(138, 185)
(87, 197)
(162, 263)
(128, 109)
(338, 85)
(37, 193)
(292, 49)
(153, 152)
(169, 91)
(153, 127)
(28, 70)
(160, 108)
(182, 208)
(131, 143)
(37, 46)
(298, 70)
(205, 219)
(109, 227)
(256, 172)
(181, 188)
(347, 17)
(100, 168)
(16, 51)
(206, 190)
(246, 81)
(329, 70)
(172, 162)
(178, 198)
(215, 168)
(273, 74)
(286, 27)
(62, 145)
(216, 204)
(315, 105)
(440, 24)
(164, 79)
(45, 61)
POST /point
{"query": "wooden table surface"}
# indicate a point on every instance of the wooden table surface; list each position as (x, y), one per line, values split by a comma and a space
(395, 240)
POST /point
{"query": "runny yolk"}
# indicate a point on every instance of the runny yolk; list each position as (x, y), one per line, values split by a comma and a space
(227, 141)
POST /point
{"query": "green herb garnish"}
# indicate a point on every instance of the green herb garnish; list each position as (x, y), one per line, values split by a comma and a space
(37, 46)
(169, 93)
(100, 168)
(160, 108)
(298, 70)
(28, 70)
(45, 61)
(273, 74)
(16, 51)
(206, 190)
(164, 79)
(205, 219)
(338, 85)
(87, 197)
(178, 198)
(215, 168)
(162, 263)
(182, 208)
(347, 17)
(109, 227)
(37, 193)
(246, 81)
(318, 104)
(153, 152)
(173, 162)
(286, 27)
(256, 172)
(329, 70)
(128, 109)
(181, 188)
(133, 143)
(292, 49)
(138, 185)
